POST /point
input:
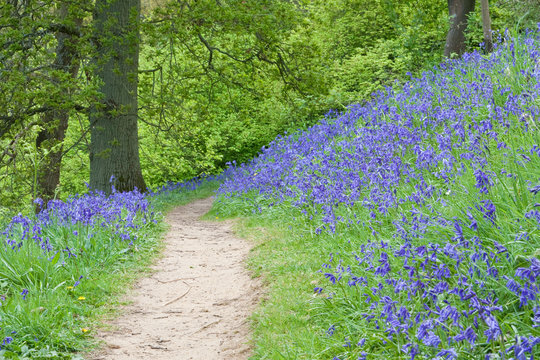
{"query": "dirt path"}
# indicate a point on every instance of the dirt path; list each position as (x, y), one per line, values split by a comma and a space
(196, 304)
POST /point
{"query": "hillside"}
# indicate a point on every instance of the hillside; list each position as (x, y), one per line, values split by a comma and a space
(425, 200)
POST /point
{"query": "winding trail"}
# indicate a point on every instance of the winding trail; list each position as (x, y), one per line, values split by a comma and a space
(196, 303)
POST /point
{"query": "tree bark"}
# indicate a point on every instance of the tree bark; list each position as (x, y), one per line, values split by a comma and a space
(114, 148)
(455, 40)
(486, 26)
(55, 122)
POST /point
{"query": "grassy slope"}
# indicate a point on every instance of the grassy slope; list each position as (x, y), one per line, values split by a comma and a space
(460, 209)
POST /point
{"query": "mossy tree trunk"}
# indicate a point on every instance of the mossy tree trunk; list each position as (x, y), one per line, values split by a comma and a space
(459, 11)
(114, 148)
(54, 122)
(486, 26)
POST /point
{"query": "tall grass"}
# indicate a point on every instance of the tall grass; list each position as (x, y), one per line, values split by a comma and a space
(423, 203)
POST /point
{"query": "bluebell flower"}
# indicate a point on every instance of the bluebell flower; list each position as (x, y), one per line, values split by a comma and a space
(330, 277)
(535, 189)
(7, 340)
(493, 331)
(483, 181)
(331, 330)
(448, 353)
(536, 316)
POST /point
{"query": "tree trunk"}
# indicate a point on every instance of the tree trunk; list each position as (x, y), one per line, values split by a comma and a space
(486, 26)
(455, 40)
(49, 139)
(114, 148)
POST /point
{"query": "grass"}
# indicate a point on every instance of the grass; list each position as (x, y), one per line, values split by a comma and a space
(288, 267)
(287, 258)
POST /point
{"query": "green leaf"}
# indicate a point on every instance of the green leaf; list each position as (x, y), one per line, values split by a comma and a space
(55, 258)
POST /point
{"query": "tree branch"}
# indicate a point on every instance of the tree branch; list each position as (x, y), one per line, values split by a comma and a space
(7, 121)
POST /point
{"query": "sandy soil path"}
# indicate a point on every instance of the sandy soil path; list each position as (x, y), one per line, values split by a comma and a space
(196, 304)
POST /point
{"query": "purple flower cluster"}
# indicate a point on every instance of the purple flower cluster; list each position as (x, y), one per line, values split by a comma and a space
(435, 185)
(456, 285)
(63, 233)
(440, 127)
(124, 213)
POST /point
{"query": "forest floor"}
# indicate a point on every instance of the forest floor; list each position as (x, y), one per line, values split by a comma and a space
(197, 301)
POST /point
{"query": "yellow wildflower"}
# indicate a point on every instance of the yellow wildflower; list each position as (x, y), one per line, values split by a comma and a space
(81, 298)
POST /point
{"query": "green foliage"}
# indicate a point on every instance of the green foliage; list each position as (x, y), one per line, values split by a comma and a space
(215, 86)
(363, 73)
(218, 91)
(511, 15)
(75, 170)
(226, 86)
(367, 45)
(517, 14)
(17, 175)
(35, 87)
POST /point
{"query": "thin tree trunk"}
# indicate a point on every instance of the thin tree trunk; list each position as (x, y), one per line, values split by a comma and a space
(486, 26)
(55, 122)
(114, 148)
(455, 40)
